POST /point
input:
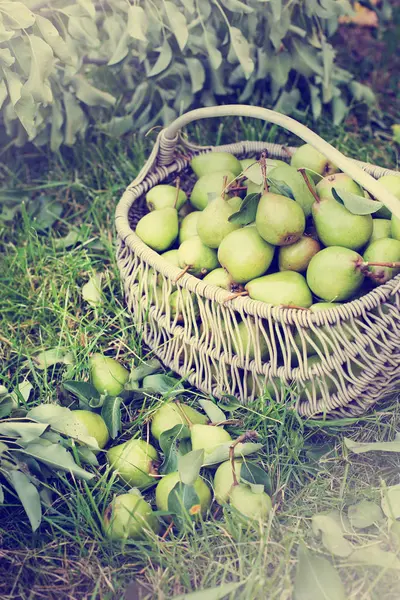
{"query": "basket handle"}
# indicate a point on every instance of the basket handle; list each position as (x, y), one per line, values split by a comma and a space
(347, 165)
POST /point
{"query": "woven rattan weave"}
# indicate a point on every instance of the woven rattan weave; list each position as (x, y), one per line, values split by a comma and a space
(357, 343)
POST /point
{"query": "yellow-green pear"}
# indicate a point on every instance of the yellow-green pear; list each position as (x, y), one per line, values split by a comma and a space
(199, 258)
(337, 226)
(338, 181)
(247, 338)
(220, 278)
(291, 177)
(183, 302)
(254, 506)
(381, 228)
(210, 162)
(286, 288)
(213, 224)
(172, 257)
(223, 480)
(171, 414)
(164, 196)
(279, 220)
(316, 164)
(297, 256)
(245, 254)
(383, 250)
(94, 424)
(207, 437)
(334, 274)
(135, 462)
(395, 229)
(188, 227)
(209, 187)
(392, 184)
(159, 229)
(167, 484)
(107, 375)
(129, 516)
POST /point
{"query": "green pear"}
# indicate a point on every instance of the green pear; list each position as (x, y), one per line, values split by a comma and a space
(171, 414)
(207, 437)
(245, 254)
(334, 274)
(279, 220)
(213, 225)
(245, 333)
(223, 480)
(297, 256)
(172, 257)
(337, 226)
(339, 181)
(199, 258)
(392, 184)
(167, 484)
(381, 228)
(285, 288)
(181, 305)
(309, 158)
(210, 162)
(220, 278)
(94, 424)
(159, 229)
(135, 461)
(383, 250)
(107, 375)
(290, 176)
(254, 506)
(254, 176)
(164, 196)
(189, 226)
(395, 229)
(209, 187)
(129, 516)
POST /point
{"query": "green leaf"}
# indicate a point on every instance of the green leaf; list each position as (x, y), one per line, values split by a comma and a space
(391, 501)
(41, 66)
(161, 384)
(83, 390)
(242, 50)
(23, 390)
(76, 121)
(6, 58)
(183, 502)
(252, 474)
(45, 211)
(22, 102)
(215, 593)
(63, 420)
(16, 15)
(6, 406)
(357, 205)
(84, 30)
(214, 55)
(72, 238)
(316, 103)
(221, 452)
(88, 7)
(51, 357)
(120, 51)
(178, 23)
(248, 210)
(364, 514)
(163, 61)
(111, 413)
(57, 121)
(26, 431)
(189, 466)
(87, 456)
(375, 556)
(237, 6)
(137, 23)
(169, 446)
(280, 187)
(146, 368)
(361, 447)
(197, 74)
(339, 109)
(309, 56)
(90, 95)
(330, 525)
(56, 457)
(213, 412)
(117, 126)
(91, 291)
(28, 495)
(396, 133)
(52, 37)
(316, 578)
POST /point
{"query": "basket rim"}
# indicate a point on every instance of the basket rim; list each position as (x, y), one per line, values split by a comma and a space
(152, 174)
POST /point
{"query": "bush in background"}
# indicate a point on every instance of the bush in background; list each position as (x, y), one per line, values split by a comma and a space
(122, 66)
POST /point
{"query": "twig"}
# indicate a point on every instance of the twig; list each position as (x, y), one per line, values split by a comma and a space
(310, 187)
(236, 295)
(263, 165)
(182, 273)
(166, 532)
(248, 435)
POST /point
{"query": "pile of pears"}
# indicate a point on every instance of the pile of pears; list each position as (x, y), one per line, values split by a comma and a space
(281, 234)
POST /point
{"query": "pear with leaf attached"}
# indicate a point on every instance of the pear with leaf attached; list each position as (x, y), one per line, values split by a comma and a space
(297, 256)
(286, 178)
(169, 481)
(213, 224)
(337, 226)
(171, 414)
(334, 274)
(210, 162)
(383, 250)
(338, 181)
(309, 158)
(188, 227)
(164, 196)
(245, 254)
(279, 220)
(253, 173)
(209, 187)
(286, 288)
(197, 258)
(208, 437)
(159, 229)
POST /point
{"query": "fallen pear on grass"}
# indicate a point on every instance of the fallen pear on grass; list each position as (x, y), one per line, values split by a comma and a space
(159, 229)
(94, 424)
(223, 480)
(167, 484)
(107, 375)
(212, 162)
(245, 254)
(208, 437)
(164, 196)
(171, 414)
(313, 161)
(253, 506)
(129, 516)
(135, 461)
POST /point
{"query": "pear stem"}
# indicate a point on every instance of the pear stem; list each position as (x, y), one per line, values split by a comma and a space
(237, 188)
(184, 415)
(224, 186)
(182, 273)
(247, 436)
(263, 165)
(392, 265)
(236, 295)
(177, 184)
(293, 306)
(308, 184)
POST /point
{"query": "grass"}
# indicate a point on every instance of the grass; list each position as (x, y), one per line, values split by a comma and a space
(41, 307)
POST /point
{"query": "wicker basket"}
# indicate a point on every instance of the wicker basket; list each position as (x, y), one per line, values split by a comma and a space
(357, 343)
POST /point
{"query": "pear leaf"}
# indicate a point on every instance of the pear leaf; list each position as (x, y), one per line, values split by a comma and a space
(62, 420)
(87, 456)
(331, 527)
(111, 413)
(242, 49)
(183, 502)
(213, 412)
(163, 60)
(6, 406)
(1, 495)
(83, 390)
(189, 466)
(23, 390)
(279, 187)
(247, 212)
(216, 593)
(28, 495)
(254, 173)
(375, 556)
(252, 474)
(391, 501)
(316, 578)
(146, 368)
(161, 384)
(178, 23)
(19, 429)
(56, 457)
(51, 357)
(361, 447)
(91, 291)
(357, 205)
(221, 452)
(197, 74)
(364, 514)
(169, 441)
